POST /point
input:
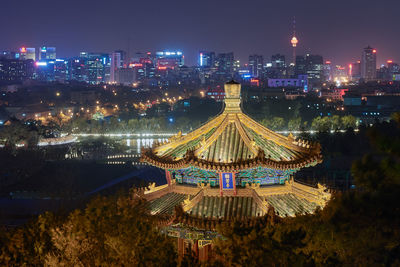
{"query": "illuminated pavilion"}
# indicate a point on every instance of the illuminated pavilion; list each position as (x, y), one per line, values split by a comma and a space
(231, 168)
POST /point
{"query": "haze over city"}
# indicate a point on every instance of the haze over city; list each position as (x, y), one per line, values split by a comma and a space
(338, 30)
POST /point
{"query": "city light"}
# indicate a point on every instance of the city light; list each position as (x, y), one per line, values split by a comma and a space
(41, 64)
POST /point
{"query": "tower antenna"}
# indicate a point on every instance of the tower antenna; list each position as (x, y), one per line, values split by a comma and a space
(294, 41)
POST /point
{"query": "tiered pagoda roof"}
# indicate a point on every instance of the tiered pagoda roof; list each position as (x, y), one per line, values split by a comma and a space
(233, 141)
(231, 168)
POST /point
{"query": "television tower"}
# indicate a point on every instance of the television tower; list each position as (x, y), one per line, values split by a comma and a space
(294, 41)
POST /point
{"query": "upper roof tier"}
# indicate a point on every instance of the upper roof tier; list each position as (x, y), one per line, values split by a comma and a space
(233, 141)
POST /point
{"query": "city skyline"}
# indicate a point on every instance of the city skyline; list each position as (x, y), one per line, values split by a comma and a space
(255, 28)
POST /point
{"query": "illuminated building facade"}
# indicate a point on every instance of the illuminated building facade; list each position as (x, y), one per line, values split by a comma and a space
(301, 81)
(368, 64)
(44, 70)
(313, 67)
(16, 70)
(76, 70)
(206, 59)
(225, 64)
(97, 66)
(169, 60)
(117, 61)
(217, 93)
(328, 72)
(355, 71)
(47, 53)
(277, 68)
(27, 53)
(256, 66)
(231, 168)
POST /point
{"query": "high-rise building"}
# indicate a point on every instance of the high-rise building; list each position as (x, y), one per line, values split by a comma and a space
(169, 60)
(60, 70)
(16, 70)
(125, 76)
(224, 63)
(328, 71)
(8, 55)
(278, 61)
(313, 66)
(355, 71)
(368, 64)
(76, 69)
(393, 68)
(117, 62)
(277, 68)
(96, 67)
(45, 70)
(206, 59)
(256, 64)
(388, 72)
(27, 53)
(47, 53)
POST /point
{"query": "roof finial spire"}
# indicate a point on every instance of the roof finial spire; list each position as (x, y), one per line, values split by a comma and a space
(232, 97)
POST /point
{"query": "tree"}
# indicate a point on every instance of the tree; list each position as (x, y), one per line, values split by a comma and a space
(110, 231)
(335, 122)
(356, 228)
(321, 124)
(277, 123)
(294, 124)
(18, 132)
(349, 121)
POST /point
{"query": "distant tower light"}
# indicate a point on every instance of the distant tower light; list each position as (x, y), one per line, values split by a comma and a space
(294, 41)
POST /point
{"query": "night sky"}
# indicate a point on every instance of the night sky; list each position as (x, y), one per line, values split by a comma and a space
(336, 29)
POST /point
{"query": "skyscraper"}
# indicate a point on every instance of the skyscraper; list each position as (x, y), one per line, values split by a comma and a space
(27, 53)
(278, 61)
(225, 65)
(96, 66)
(256, 63)
(368, 64)
(47, 53)
(169, 59)
(312, 65)
(355, 70)
(117, 61)
(206, 59)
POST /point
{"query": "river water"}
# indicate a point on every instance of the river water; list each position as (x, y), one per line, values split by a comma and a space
(14, 212)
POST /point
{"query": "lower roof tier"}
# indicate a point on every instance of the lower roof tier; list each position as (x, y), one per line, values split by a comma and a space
(205, 202)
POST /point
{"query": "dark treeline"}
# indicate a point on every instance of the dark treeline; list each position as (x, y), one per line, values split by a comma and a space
(188, 114)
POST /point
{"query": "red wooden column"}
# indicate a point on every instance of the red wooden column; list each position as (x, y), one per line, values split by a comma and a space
(220, 184)
(168, 176)
(181, 248)
(234, 183)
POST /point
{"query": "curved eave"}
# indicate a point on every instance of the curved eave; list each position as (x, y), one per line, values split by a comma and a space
(190, 160)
